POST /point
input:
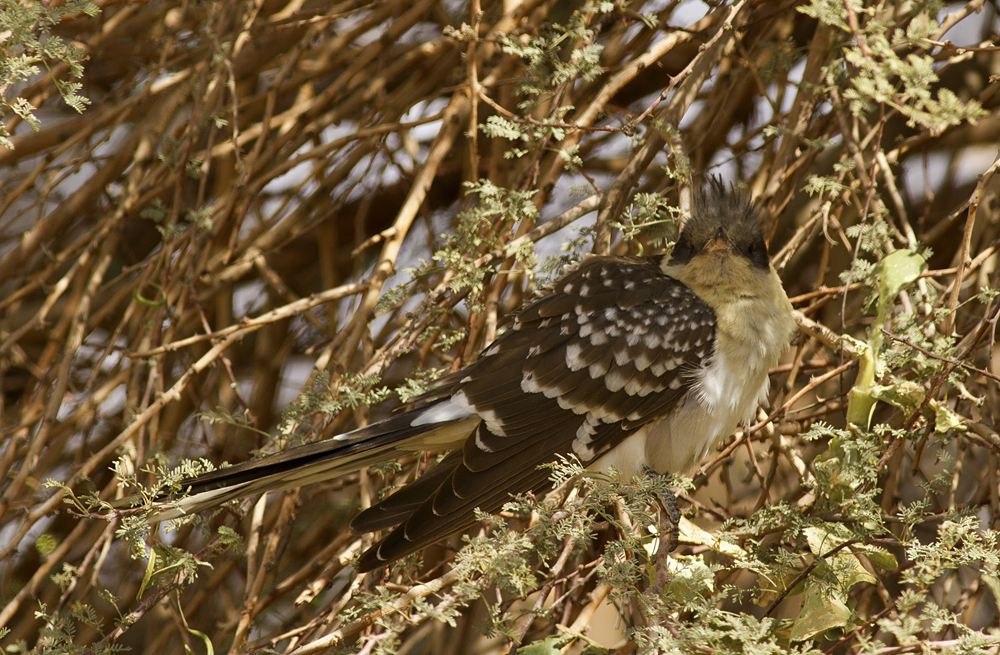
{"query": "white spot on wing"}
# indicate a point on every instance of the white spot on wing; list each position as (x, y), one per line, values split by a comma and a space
(455, 408)
(586, 431)
(583, 451)
(565, 404)
(599, 339)
(597, 369)
(584, 437)
(574, 356)
(614, 380)
(493, 422)
(480, 445)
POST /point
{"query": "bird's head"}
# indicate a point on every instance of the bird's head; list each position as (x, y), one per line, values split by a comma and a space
(722, 244)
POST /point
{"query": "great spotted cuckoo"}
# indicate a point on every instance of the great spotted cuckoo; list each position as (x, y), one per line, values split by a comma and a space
(634, 363)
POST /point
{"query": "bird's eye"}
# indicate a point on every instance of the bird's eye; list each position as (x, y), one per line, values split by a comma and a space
(682, 253)
(756, 252)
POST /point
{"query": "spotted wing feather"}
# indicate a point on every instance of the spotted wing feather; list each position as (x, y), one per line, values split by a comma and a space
(609, 349)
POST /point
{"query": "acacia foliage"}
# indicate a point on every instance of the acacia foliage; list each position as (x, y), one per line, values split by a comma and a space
(274, 221)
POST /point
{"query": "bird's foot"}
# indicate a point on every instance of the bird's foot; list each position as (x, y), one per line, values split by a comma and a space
(669, 525)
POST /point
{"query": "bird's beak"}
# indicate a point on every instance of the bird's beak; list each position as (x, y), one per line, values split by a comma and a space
(718, 243)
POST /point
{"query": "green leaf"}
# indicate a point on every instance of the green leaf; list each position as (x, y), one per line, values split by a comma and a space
(847, 568)
(147, 577)
(822, 609)
(45, 544)
(209, 649)
(551, 645)
(892, 273)
(880, 559)
(904, 394)
(690, 578)
(945, 419)
(897, 270)
(824, 537)
(496, 126)
(861, 402)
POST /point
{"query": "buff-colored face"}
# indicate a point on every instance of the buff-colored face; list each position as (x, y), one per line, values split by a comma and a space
(721, 251)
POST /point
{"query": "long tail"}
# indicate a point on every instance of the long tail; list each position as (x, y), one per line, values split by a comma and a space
(440, 425)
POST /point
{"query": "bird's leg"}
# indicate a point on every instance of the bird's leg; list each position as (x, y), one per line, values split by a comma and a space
(668, 502)
(668, 531)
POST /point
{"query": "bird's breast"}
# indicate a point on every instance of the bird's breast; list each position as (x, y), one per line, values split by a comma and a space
(726, 390)
(726, 393)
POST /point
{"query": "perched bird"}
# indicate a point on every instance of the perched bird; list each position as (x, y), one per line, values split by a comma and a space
(635, 363)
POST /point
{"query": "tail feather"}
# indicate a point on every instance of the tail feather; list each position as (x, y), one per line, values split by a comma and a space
(393, 510)
(437, 425)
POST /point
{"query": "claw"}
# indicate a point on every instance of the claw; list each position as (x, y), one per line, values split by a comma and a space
(672, 513)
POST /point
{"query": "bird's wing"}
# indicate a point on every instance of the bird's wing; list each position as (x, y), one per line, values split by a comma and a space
(611, 347)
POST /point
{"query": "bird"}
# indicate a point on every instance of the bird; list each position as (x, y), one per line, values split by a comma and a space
(628, 363)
